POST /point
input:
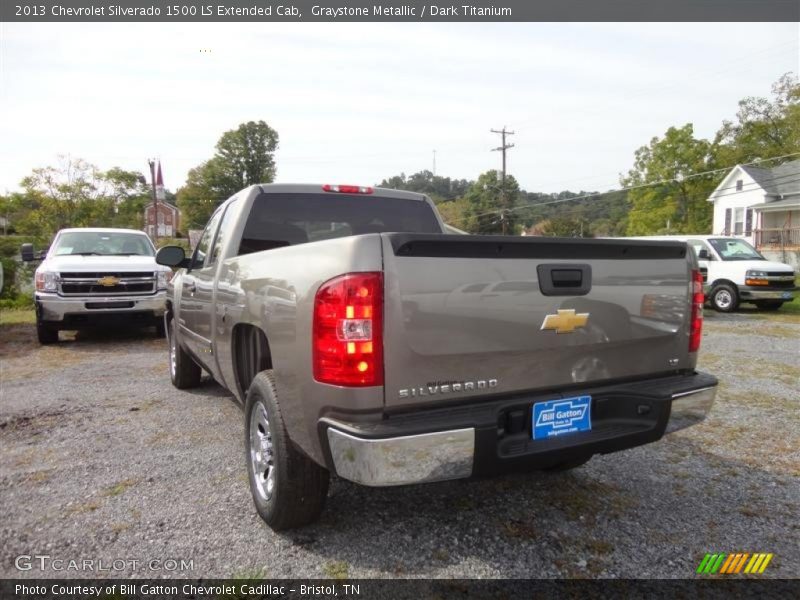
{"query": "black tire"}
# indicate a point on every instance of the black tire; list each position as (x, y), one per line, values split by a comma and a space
(768, 304)
(183, 371)
(724, 298)
(46, 334)
(161, 329)
(568, 465)
(299, 486)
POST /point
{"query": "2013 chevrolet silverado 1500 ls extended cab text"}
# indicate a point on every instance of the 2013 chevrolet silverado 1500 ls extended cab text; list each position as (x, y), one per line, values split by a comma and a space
(364, 341)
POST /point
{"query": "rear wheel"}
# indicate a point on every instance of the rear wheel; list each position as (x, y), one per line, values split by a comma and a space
(724, 298)
(769, 304)
(289, 489)
(47, 334)
(183, 371)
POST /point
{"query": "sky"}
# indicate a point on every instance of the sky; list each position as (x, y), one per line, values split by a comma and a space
(356, 103)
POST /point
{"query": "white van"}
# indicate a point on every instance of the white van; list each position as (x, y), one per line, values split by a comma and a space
(735, 272)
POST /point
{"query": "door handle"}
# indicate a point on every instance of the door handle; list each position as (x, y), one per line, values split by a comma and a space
(564, 279)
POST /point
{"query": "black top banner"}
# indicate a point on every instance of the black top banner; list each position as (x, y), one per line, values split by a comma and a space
(400, 10)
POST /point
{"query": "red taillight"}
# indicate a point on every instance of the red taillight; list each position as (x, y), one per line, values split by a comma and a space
(696, 328)
(347, 189)
(348, 330)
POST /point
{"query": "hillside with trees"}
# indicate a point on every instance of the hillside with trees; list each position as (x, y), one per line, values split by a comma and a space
(665, 189)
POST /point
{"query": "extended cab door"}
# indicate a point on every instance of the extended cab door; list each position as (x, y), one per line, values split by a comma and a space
(197, 285)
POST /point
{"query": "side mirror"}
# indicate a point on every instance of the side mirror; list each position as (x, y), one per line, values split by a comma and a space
(172, 256)
(26, 250)
(703, 255)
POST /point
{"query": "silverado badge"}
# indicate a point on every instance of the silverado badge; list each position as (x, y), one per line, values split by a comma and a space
(566, 321)
(108, 281)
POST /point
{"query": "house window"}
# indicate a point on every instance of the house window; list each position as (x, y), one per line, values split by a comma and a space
(739, 185)
(738, 224)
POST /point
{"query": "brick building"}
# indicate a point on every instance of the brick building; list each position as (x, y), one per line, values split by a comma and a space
(168, 219)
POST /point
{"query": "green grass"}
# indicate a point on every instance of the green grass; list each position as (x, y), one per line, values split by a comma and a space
(337, 569)
(17, 316)
(119, 488)
(792, 307)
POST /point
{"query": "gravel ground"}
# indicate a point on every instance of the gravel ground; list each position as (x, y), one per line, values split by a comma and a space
(102, 459)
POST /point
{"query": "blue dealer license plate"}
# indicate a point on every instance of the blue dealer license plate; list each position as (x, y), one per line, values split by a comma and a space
(558, 417)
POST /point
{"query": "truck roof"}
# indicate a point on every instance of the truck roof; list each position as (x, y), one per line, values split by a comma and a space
(680, 237)
(102, 230)
(311, 188)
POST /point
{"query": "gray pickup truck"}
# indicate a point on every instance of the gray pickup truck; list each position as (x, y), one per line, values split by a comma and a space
(363, 340)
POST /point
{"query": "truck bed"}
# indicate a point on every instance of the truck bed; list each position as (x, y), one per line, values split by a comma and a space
(471, 310)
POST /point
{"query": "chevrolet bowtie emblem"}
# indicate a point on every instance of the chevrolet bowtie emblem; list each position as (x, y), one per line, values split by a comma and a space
(566, 321)
(109, 281)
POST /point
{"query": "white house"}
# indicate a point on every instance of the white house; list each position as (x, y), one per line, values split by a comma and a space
(762, 206)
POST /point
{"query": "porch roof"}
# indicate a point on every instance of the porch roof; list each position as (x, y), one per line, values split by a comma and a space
(786, 204)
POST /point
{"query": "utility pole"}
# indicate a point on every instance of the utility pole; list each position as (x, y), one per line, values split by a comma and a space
(503, 133)
(155, 199)
(434, 162)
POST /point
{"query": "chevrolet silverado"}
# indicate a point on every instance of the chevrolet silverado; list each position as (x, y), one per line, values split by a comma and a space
(96, 277)
(362, 340)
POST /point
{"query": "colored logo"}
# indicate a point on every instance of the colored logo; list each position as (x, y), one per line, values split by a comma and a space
(109, 281)
(566, 321)
(731, 564)
(557, 417)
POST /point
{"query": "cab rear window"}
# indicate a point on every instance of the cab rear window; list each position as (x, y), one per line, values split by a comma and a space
(278, 220)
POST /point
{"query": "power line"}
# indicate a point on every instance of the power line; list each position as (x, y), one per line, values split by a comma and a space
(503, 147)
(630, 188)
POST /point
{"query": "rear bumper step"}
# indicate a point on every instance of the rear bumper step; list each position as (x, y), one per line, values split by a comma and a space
(494, 437)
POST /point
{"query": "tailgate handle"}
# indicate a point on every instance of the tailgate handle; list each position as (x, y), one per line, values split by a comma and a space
(564, 279)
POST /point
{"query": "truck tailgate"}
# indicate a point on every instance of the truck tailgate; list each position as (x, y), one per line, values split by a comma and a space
(485, 315)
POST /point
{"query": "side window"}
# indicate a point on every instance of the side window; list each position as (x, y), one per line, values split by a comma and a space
(222, 235)
(203, 245)
(698, 245)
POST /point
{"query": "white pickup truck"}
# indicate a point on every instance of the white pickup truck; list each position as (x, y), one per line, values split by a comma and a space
(734, 272)
(90, 277)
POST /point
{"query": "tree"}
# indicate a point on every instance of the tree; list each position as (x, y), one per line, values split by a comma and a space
(205, 189)
(454, 212)
(244, 156)
(763, 128)
(425, 182)
(563, 226)
(77, 194)
(679, 204)
(489, 205)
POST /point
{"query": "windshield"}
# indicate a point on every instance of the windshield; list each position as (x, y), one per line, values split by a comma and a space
(734, 249)
(103, 243)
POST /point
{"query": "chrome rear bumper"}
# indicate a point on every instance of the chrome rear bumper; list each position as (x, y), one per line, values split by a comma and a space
(690, 408)
(468, 444)
(420, 458)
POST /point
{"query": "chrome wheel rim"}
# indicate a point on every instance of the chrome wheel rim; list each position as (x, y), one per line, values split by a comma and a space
(723, 299)
(262, 456)
(173, 351)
